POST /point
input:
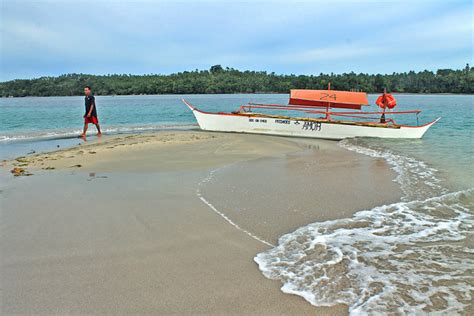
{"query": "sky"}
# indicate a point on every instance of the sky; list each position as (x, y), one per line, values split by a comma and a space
(52, 37)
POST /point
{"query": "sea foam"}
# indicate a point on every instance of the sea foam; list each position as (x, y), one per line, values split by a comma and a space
(74, 133)
(209, 178)
(408, 257)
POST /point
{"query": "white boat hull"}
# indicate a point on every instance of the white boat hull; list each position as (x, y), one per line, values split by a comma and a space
(241, 123)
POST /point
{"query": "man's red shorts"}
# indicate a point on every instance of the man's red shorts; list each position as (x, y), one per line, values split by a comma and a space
(92, 119)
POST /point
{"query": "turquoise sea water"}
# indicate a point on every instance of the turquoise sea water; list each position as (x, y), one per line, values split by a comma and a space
(37, 123)
(411, 257)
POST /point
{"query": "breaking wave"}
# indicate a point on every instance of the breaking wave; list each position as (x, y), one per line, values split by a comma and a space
(74, 133)
(416, 179)
(414, 256)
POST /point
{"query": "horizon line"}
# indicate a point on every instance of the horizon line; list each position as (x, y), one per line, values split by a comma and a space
(231, 68)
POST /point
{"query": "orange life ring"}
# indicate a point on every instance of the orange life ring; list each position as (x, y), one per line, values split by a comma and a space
(386, 100)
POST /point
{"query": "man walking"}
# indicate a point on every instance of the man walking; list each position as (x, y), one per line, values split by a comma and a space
(91, 112)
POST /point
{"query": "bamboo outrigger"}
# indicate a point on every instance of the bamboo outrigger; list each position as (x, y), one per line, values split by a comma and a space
(367, 124)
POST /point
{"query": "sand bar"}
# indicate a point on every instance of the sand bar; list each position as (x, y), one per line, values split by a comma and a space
(116, 226)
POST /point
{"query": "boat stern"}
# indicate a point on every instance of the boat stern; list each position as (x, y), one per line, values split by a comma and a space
(417, 131)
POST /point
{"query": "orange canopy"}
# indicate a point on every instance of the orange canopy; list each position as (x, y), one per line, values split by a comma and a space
(331, 98)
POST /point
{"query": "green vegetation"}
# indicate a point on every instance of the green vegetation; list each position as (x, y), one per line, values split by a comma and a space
(228, 80)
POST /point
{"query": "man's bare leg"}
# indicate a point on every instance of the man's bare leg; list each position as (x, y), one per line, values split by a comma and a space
(85, 130)
(99, 133)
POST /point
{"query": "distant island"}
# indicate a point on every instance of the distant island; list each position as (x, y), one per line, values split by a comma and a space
(228, 80)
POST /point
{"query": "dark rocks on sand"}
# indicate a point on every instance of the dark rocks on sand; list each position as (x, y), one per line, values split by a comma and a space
(17, 171)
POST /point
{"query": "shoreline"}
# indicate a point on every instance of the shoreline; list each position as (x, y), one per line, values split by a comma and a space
(147, 244)
(236, 93)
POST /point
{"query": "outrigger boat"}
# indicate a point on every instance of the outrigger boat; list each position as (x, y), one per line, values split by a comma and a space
(363, 124)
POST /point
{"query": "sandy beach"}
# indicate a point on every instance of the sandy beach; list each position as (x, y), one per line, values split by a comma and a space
(121, 224)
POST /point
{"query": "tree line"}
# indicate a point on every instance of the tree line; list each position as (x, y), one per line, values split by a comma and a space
(228, 80)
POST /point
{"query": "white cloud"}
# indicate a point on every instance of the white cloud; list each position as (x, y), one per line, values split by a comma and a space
(342, 51)
(167, 36)
(28, 31)
(447, 33)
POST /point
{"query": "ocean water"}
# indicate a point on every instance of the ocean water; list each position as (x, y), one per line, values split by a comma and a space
(415, 256)
(42, 123)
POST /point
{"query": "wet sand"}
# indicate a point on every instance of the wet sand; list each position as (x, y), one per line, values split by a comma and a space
(116, 226)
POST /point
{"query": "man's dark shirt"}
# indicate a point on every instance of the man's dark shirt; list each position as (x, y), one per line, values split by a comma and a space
(89, 101)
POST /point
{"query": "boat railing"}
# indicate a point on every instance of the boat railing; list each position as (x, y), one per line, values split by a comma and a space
(376, 115)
